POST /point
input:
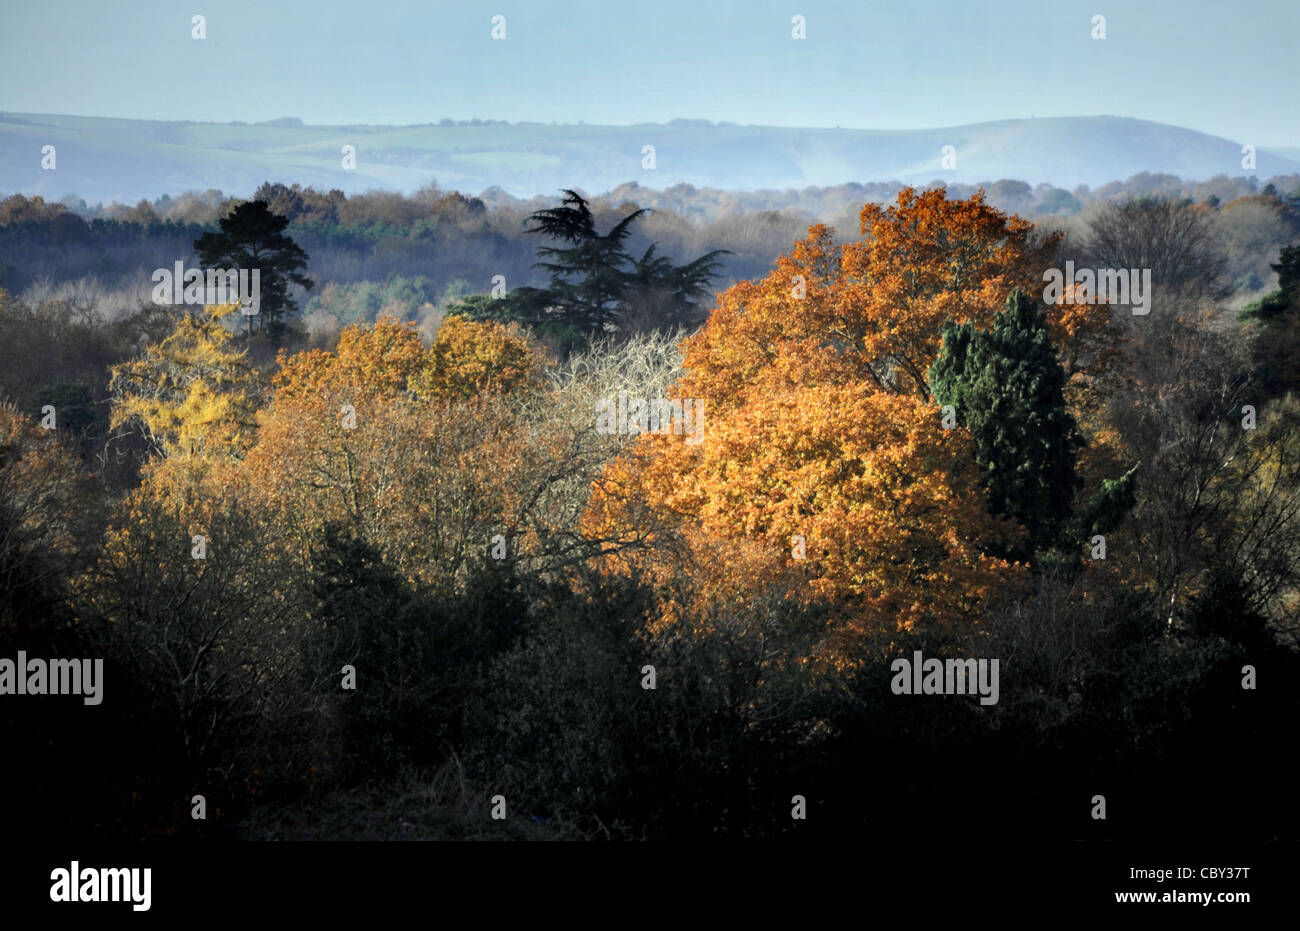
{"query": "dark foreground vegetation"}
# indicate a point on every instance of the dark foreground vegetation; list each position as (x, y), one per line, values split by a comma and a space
(628, 636)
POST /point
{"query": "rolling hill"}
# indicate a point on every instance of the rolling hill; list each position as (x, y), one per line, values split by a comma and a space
(104, 159)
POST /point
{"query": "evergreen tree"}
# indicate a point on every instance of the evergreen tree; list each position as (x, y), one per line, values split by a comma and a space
(587, 276)
(1279, 302)
(677, 288)
(253, 237)
(1007, 388)
(592, 275)
(1276, 346)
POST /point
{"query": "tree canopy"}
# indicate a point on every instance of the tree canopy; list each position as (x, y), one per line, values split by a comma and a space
(252, 237)
(594, 281)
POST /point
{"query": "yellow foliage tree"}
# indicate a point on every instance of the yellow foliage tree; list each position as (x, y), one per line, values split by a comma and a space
(192, 395)
(470, 359)
(421, 451)
(467, 359)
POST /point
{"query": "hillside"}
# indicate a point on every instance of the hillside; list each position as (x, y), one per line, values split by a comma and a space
(101, 159)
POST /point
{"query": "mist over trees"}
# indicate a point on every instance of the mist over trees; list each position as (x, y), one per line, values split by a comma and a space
(629, 634)
(414, 256)
(252, 237)
(595, 285)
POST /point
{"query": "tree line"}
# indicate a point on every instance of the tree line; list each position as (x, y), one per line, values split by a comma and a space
(631, 636)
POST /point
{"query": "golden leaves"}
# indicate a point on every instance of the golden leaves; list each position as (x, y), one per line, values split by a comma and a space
(192, 394)
(821, 426)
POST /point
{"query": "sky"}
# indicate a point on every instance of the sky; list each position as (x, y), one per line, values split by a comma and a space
(1229, 69)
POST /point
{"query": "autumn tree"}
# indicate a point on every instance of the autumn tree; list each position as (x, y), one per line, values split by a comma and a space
(873, 310)
(194, 586)
(822, 447)
(468, 360)
(425, 453)
(192, 394)
(381, 358)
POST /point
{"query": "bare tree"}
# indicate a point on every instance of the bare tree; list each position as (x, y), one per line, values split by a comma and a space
(1219, 481)
(1173, 239)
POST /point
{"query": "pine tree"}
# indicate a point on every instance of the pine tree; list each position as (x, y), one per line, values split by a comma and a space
(587, 273)
(592, 275)
(1276, 325)
(1007, 388)
(253, 237)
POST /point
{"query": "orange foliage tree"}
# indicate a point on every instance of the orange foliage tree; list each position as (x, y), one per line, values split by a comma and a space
(418, 450)
(871, 310)
(821, 445)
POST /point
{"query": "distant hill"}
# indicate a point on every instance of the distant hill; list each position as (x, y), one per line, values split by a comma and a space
(125, 160)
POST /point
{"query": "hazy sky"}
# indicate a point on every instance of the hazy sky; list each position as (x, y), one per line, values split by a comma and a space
(1224, 68)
